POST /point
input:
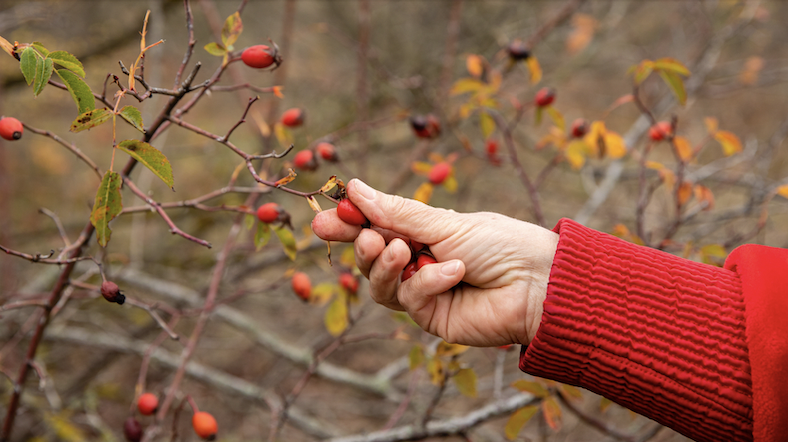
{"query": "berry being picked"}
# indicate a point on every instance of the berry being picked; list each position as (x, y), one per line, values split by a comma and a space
(491, 148)
(660, 130)
(349, 213)
(545, 97)
(517, 50)
(439, 173)
(112, 293)
(132, 430)
(327, 151)
(205, 425)
(426, 126)
(258, 57)
(11, 129)
(305, 160)
(409, 271)
(293, 117)
(349, 282)
(147, 404)
(302, 285)
(579, 128)
(269, 212)
(425, 259)
(416, 246)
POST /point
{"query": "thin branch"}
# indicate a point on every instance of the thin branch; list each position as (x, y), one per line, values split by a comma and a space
(60, 228)
(239, 122)
(604, 427)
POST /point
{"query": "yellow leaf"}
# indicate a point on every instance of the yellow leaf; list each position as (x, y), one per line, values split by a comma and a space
(584, 26)
(532, 387)
(336, 317)
(570, 391)
(711, 124)
(487, 124)
(685, 192)
(534, 68)
(604, 404)
(465, 85)
(435, 369)
(465, 381)
(424, 193)
(676, 84)
(668, 177)
(420, 167)
(435, 157)
(64, 429)
(330, 184)
(415, 357)
(671, 65)
(704, 194)
(557, 117)
(783, 190)
(716, 250)
(283, 135)
(322, 293)
(446, 349)
(552, 413)
(614, 145)
(475, 65)
(643, 70)
(450, 183)
(348, 257)
(518, 420)
(575, 154)
(654, 165)
(291, 175)
(683, 148)
(620, 231)
(729, 141)
(277, 90)
(313, 204)
(466, 109)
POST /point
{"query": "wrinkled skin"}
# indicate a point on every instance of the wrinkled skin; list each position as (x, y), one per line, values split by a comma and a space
(490, 281)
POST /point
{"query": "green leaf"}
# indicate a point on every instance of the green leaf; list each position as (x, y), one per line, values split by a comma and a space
(249, 220)
(518, 420)
(532, 387)
(107, 206)
(487, 124)
(67, 61)
(91, 119)
(336, 317)
(149, 157)
(643, 70)
(43, 72)
(465, 381)
(216, 49)
(28, 65)
(538, 115)
(262, 235)
(79, 90)
(676, 84)
(133, 116)
(232, 28)
(671, 64)
(322, 293)
(288, 241)
(40, 48)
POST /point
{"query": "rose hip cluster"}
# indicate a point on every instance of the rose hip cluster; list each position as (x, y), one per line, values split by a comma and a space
(203, 423)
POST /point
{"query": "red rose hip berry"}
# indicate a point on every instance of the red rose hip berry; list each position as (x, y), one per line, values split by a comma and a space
(579, 128)
(660, 130)
(491, 149)
(327, 151)
(545, 97)
(409, 271)
(147, 404)
(349, 282)
(424, 260)
(439, 173)
(518, 51)
(302, 285)
(205, 425)
(305, 160)
(258, 57)
(349, 213)
(426, 126)
(268, 212)
(293, 117)
(11, 129)
(132, 430)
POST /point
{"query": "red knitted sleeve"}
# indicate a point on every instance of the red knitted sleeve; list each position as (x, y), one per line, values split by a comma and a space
(658, 334)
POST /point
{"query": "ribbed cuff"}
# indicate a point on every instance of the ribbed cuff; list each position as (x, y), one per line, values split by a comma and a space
(658, 334)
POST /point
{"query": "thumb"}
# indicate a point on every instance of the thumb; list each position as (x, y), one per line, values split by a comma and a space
(409, 217)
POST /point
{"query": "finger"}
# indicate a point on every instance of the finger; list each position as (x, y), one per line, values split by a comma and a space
(367, 248)
(385, 273)
(405, 216)
(419, 294)
(329, 227)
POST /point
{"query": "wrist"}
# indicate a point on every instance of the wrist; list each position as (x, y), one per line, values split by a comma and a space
(546, 247)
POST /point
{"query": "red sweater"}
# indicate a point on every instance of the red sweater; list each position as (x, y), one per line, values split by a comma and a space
(698, 348)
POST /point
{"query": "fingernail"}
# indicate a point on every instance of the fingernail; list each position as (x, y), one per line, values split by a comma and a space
(450, 268)
(364, 190)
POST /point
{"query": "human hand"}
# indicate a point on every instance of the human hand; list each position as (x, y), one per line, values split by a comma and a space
(491, 278)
